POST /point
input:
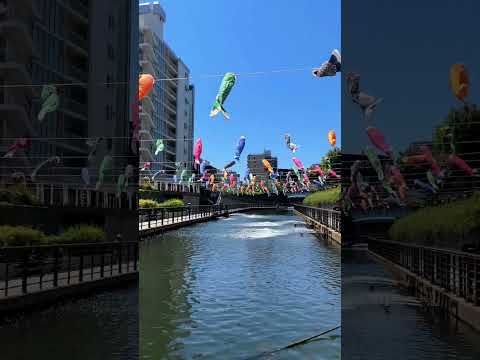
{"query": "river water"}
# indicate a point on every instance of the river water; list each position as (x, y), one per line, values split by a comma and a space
(237, 287)
(99, 327)
(382, 321)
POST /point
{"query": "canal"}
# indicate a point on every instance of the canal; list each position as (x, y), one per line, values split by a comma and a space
(237, 287)
(382, 321)
(103, 326)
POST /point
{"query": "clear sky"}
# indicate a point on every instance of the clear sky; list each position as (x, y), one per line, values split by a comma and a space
(216, 36)
(407, 62)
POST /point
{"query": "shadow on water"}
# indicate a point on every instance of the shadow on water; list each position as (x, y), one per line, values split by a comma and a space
(381, 320)
(237, 287)
(103, 326)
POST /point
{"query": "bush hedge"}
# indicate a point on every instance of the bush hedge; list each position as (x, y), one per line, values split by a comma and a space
(80, 234)
(18, 195)
(440, 225)
(149, 203)
(21, 236)
(322, 197)
(25, 236)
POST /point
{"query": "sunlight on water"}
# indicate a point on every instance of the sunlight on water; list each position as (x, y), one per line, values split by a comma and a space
(236, 288)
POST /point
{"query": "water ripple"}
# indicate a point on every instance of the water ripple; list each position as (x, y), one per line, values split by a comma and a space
(232, 289)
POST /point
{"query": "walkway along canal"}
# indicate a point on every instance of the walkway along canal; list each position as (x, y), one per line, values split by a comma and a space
(157, 220)
(441, 278)
(33, 276)
(237, 287)
(326, 222)
(382, 320)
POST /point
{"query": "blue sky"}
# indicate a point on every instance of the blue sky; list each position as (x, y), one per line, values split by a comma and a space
(407, 62)
(216, 36)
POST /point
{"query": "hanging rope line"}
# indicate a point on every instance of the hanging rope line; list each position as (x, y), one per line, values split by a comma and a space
(201, 76)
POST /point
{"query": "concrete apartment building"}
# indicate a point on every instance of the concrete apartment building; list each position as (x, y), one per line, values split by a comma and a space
(255, 165)
(81, 46)
(167, 113)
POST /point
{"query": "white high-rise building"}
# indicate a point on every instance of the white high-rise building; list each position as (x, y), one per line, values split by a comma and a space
(167, 113)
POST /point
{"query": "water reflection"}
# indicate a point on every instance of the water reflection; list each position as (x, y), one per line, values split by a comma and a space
(237, 287)
(382, 321)
(99, 327)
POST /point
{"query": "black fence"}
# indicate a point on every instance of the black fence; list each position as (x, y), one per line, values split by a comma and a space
(28, 269)
(328, 217)
(157, 217)
(455, 271)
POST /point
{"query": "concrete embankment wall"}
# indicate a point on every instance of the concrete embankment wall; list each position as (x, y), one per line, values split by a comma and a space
(322, 230)
(45, 298)
(433, 295)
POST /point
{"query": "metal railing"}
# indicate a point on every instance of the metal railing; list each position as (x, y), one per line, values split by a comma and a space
(177, 188)
(159, 217)
(64, 195)
(455, 271)
(29, 269)
(328, 217)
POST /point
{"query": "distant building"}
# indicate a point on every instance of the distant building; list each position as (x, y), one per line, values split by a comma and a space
(414, 147)
(167, 113)
(255, 165)
(282, 173)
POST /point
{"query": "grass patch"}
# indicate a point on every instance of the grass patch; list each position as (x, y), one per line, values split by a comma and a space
(79, 234)
(149, 203)
(440, 225)
(21, 236)
(17, 195)
(26, 236)
(323, 197)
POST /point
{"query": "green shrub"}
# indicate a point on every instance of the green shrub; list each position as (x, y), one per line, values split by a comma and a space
(172, 203)
(17, 195)
(20, 236)
(440, 224)
(146, 187)
(147, 203)
(79, 234)
(323, 197)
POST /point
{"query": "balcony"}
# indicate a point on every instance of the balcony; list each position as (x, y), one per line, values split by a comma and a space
(147, 105)
(15, 116)
(74, 107)
(147, 121)
(78, 42)
(78, 8)
(147, 49)
(146, 153)
(79, 73)
(147, 66)
(146, 36)
(20, 9)
(17, 74)
(17, 34)
(171, 121)
(145, 135)
(171, 109)
(171, 93)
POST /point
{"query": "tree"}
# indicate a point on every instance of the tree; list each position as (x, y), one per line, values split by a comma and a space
(331, 157)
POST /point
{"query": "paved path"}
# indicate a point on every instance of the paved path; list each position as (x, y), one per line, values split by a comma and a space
(36, 284)
(178, 221)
